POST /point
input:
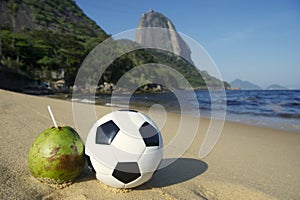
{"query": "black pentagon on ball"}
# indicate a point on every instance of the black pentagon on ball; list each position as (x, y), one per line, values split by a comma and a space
(126, 172)
(90, 165)
(106, 132)
(149, 134)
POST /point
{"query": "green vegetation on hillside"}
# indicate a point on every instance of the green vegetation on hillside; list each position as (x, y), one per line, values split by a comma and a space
(197, 79)
(56, 36)
(152, 57)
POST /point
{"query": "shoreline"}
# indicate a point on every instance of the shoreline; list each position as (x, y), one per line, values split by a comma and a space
(248, 162)
(257, 121)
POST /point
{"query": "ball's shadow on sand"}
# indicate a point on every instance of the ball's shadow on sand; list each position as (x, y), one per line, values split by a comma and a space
(86, 175)
(179, 171)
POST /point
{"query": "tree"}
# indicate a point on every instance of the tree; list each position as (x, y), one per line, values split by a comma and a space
(13, 10)
(0, 44)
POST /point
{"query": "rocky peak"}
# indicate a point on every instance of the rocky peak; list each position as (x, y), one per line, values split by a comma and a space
(170, 39)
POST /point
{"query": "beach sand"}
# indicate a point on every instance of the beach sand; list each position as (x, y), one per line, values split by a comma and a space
(247, 162)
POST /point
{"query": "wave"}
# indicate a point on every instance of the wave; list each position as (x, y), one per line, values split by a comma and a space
(116, 105)
(89, 101)
(289, 115)
(292, 104)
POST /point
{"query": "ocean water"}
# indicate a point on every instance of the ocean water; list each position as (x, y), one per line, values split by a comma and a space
(279, 109)
(272, 108)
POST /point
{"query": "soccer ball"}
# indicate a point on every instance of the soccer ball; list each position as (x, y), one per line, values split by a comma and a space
(124, 148)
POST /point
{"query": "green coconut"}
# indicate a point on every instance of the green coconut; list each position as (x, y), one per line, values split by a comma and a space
(57, 155)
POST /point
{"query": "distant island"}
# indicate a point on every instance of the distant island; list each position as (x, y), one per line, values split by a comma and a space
(244, 85)
(239, 84)
(276, 87)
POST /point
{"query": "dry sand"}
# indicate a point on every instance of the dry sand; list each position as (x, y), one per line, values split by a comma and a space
(247, 162)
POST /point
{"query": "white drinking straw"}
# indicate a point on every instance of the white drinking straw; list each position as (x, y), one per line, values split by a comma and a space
(52, 117)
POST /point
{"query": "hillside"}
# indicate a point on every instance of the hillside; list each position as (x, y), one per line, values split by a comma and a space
(42, 39)
(62, 16)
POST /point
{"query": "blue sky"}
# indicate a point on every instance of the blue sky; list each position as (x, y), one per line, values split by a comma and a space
(253, 40)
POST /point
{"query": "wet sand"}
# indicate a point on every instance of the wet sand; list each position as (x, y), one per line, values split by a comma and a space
(247, 162)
